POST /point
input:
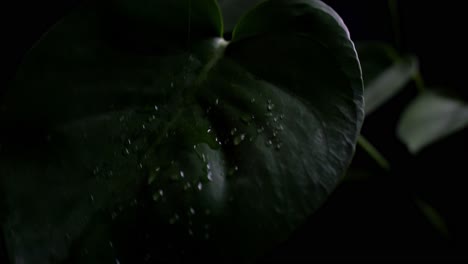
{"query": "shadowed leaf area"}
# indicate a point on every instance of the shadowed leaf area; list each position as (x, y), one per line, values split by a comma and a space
(133, 133)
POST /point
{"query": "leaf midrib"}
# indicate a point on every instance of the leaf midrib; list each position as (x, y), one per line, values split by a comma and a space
(218, 54)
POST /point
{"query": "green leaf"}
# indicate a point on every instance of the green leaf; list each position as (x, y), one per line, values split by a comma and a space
(385, 73)
(118, 150)
(431, 117)
(234, 9)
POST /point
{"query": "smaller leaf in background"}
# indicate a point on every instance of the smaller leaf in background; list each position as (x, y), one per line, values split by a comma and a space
(385, 73)
(431, 117)
(434, 218)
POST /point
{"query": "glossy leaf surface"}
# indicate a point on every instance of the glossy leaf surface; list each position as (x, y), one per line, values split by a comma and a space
(157, 139)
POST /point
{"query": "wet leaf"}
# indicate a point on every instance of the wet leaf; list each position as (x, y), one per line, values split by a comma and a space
(134, 133)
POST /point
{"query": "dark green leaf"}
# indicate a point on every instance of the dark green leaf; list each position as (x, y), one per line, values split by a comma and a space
(233, 11)
(431, 117)
(385, 73)
(185, 145)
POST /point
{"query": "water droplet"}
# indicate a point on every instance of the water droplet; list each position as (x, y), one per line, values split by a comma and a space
(200, 186)
(275, 119)
(239, 139)
(129, 141)
(158, 195)
(233, 131)
(151, 179)
(156, 108)
(208, 166)
(91, 197)
(127, 152)
(252, 100)
(114, 215)
(111, 244)
(155, 197)
(275, 133)
(233, 170)
(140, 165)
(203, 157)
(209, 130)
(157, 169)
(143, 126)
(172, 84)
(96, 171)
(209, 176)
(190, 232)
(269, 142)
(117, 261)
(187, 186)
(246, 118)
(280, 128)
(217, 101)
(270, 105)
(278, 146)
(111, 173)
(182, 175)
(260, 130)
(192, 211)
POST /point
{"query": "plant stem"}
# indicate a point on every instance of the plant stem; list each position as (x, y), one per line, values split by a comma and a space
(419, 81)
(373, 152)
(393, 7)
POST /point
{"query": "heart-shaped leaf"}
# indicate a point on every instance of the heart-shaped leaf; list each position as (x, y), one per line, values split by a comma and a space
(134, 133)
(431, 117)
(234, 9)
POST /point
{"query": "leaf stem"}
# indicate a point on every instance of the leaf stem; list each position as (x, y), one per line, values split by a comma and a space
(393, 7)
(373, 152)
(419, 81)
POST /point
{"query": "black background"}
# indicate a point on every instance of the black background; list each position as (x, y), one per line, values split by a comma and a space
(377, 218)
